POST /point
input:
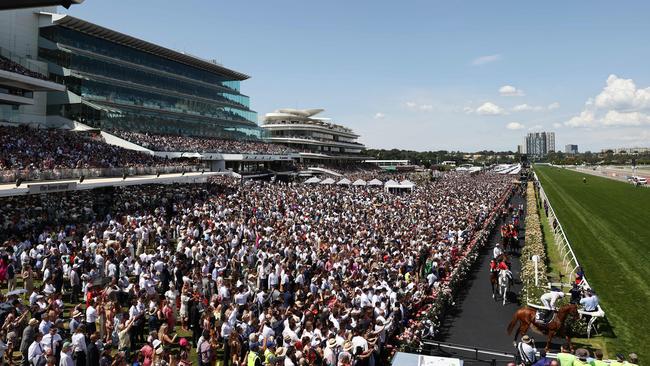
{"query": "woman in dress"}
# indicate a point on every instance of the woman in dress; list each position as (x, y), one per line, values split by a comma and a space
(184, 313)
(28, 279)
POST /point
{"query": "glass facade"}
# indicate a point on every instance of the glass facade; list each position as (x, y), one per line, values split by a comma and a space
(125, 88)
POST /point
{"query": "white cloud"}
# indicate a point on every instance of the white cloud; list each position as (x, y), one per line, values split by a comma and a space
(421, 107)
(615, 118)
(525, 107)
(486, 59)
(622, 95)
(619, 104)
(510, 91)
(552, 106)
(535, 127)
(490, 109)
(468, 110)
(515, 126)
(585, 119)
(557, 125)
(379, 115)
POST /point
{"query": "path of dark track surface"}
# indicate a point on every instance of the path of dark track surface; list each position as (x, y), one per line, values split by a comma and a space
(477, 319)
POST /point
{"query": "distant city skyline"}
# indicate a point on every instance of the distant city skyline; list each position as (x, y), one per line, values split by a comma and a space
(421, 75)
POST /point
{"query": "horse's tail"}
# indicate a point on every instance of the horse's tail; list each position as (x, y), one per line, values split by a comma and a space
(512, 324)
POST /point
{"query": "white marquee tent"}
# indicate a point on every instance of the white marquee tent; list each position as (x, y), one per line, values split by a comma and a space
(344, 181)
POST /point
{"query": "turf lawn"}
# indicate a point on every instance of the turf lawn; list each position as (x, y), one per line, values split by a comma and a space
(608, 225)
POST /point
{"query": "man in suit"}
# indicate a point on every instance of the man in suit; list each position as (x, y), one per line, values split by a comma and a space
(92, 352)
(29, 334)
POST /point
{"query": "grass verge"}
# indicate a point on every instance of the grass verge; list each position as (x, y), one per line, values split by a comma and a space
(606, 223)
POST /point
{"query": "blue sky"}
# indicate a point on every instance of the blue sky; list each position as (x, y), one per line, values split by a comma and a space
(423, 75)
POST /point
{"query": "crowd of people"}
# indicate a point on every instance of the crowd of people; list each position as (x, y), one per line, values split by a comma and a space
(26, 148)
(529, 356)
(253, 274)
(8, 65)
(201, 144)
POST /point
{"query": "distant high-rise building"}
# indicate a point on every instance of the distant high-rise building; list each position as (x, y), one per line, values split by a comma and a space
(571, 149)
(539, 144)
(520, 149)
(550, 142)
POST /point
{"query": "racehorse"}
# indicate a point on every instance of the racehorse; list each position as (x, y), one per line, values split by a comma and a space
(504, 284)
(526, 318)
(494, 273)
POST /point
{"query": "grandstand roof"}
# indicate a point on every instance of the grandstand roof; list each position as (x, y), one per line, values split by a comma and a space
(95, 30)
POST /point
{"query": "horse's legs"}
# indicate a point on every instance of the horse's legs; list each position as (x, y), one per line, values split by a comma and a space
(548, 340)
(518, 329)
(568, 339)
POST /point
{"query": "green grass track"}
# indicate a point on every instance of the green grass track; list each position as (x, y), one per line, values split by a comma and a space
(608, 225)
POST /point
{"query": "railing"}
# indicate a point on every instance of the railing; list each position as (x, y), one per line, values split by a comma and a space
(10, 176)
(569, 259)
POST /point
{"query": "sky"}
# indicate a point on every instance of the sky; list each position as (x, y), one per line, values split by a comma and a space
(423, 75)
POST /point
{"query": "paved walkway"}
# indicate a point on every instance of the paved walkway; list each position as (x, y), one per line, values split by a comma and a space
(477, 319)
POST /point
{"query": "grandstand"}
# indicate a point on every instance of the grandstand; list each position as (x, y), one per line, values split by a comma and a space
(137, 95)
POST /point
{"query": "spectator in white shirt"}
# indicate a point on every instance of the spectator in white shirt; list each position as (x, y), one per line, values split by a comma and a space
(35, 349)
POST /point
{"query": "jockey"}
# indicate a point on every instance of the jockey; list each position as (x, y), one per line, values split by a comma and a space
(549, 298)
(502, 266)
(493, 265)
(496, 252)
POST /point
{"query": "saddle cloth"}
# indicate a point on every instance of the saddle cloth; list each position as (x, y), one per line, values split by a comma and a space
(542, 318)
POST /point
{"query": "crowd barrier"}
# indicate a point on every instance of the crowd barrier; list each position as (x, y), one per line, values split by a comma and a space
(10, 176)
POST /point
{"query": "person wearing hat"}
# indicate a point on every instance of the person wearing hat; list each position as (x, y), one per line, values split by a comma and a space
(526, 350)
(75, 321)
(66, 355)
(565, 356)
(633, 359)
(329, 353)
(29, 333)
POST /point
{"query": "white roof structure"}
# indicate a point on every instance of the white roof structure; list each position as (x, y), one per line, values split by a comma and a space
(359, 182)
(110, 35)
(405, 184)
(344, 181)
(375, 182)
(305, 131)
(312, 180)
(327, 181)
